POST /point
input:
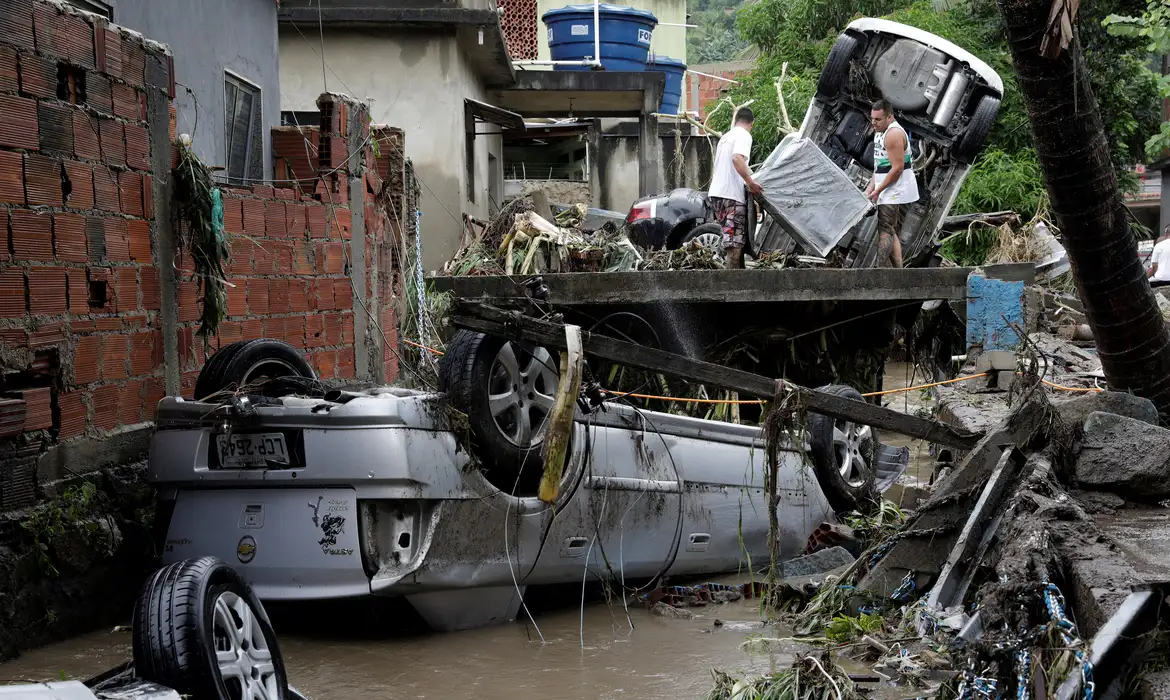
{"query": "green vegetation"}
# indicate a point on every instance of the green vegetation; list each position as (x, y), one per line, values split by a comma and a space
(800, 33)
(716, 39)
(70, 520)
(1153, 26)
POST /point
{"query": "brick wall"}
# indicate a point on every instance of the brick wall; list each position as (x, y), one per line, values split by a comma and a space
(292, 268)
(711, 90)
(80, 337)
(82, 322)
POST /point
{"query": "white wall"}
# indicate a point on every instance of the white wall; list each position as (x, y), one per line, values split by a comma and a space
(416, 81)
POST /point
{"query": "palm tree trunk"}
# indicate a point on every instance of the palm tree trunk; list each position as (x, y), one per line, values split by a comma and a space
(1131, 336)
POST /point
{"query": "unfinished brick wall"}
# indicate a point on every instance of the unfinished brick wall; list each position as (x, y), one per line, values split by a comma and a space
(291, 274)
(711, 90)
(80, 337)
(81, 304)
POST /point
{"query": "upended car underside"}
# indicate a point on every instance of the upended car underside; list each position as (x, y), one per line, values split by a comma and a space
(319, 493)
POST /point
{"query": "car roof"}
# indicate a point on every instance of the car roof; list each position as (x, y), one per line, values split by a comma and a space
(885, 26)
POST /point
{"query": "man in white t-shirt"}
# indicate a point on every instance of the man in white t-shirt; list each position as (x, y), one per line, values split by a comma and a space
(1160, 261)
(728, 177)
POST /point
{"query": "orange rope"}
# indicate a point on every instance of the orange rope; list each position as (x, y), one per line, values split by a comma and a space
(422, 347)
(1071, 388)
(757, 402)
(925, 386)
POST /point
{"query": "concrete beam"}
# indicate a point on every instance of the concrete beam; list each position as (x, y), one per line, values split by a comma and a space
(601, 94)
(489, 59)
(731, 286)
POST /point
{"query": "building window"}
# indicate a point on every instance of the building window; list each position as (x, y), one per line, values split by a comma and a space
(288, 118)
(98, 7)
(244, 142)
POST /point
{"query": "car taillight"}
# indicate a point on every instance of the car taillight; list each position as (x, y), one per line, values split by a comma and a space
(643, 210)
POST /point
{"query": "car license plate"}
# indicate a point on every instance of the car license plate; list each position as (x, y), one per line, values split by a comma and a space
(252, 450)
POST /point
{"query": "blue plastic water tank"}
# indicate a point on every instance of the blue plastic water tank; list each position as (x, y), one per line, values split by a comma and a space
(672, 92)
(625, 36)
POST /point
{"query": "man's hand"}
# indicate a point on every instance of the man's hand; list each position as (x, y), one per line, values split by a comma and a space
(873, 195)
(754, 187)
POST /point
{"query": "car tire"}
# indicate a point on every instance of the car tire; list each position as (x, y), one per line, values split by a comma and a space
(472, 368)
(710, 228)
(978, 129)
(190, 619)
(835, 444)
(243, 362)
(836, 69)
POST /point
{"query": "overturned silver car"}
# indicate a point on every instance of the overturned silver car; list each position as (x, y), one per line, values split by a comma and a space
(318, 494)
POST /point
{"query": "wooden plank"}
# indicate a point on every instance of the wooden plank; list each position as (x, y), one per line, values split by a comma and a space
(734, 286)
(495, 321)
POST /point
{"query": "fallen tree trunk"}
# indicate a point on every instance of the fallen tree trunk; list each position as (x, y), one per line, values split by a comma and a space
(1130, 334)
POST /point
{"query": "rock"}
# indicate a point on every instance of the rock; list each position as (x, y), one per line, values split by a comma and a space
(816, 563)
(807, 586)
(1099, 501)
(1124, 456)
(1156, 686)
(726, 596)
(1074, 411)
(663, 610)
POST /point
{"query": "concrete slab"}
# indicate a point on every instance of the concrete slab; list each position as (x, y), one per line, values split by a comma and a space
(547, 93)
(1143, 535)
(735, 286)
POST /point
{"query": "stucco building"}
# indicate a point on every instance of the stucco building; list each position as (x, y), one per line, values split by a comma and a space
(227, 76)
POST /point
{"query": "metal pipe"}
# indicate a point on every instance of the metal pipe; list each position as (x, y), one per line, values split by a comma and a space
(557, 63)
(676, 24)
(597, 32)
(717, 77)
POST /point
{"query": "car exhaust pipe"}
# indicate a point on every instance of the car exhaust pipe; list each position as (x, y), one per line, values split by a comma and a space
(341, 396)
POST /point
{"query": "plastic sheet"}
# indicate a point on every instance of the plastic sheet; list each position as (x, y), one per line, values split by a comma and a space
(809, 196)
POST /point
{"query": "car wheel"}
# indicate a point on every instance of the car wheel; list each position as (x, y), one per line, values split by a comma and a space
(200, 630)
(978, 129)
(836, 68)
(248, 362)
(842, 455)
(708, 235)
(507, 392)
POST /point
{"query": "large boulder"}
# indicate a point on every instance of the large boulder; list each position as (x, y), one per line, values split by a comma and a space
(1075, 411)
(1125, 456)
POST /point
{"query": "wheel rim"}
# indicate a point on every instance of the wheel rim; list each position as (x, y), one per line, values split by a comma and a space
(851, 442)
(521, 390)
(713, 241)
(268, 369)
(242, 653)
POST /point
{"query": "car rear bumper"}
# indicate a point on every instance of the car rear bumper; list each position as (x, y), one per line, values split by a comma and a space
(289, 543)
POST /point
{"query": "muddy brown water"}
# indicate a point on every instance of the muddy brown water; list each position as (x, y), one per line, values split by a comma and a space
(589, 651)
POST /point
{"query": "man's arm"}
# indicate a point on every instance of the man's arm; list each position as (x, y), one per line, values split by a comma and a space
(896, 150)
(741, 167)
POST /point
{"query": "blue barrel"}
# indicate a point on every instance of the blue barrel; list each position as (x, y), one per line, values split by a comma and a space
(672, 92)
(625, 36)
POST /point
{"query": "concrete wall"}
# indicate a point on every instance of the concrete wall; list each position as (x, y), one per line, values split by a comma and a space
(416, 81)
(666, 41)
(207, 38)
(615, 185)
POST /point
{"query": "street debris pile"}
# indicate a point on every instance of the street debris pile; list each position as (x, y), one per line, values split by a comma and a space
(1000, 583)
(518, 241)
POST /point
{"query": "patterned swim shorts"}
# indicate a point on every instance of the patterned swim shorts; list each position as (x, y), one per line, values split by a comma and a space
(732, 216)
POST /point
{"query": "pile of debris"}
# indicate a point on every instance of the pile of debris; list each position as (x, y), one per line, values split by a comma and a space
(519, 241)
(1005, 581)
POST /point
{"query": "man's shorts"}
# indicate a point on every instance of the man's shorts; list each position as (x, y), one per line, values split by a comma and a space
(732, 216)
(890, 218)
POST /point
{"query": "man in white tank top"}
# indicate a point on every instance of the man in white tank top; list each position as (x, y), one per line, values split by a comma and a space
(893, 186)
